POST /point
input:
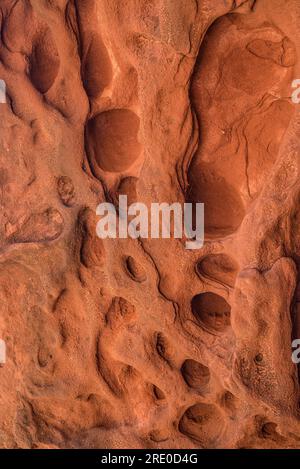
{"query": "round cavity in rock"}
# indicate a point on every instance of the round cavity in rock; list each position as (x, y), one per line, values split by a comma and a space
(163, 347)
(218, 267)
(259, 359)
(44, 62)
(212, 311)
(268, 430)
(135, 270)
(195, 374)
(89, 246)
(96, 67)
(203, 423)
(112, 140)
(223, 207)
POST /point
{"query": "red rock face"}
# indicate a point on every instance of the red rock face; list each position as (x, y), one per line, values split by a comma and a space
(123, 343)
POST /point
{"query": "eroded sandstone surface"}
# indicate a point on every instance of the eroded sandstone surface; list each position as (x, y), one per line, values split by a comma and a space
(123, 343)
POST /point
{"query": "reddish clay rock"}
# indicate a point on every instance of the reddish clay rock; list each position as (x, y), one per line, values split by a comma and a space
(138, 343)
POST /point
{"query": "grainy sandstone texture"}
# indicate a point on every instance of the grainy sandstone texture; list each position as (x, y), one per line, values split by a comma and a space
(123, 343)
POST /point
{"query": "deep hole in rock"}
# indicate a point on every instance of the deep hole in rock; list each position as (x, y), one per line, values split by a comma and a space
(211, 311)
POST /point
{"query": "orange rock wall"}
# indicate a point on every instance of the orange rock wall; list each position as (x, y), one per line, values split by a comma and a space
(123, 343)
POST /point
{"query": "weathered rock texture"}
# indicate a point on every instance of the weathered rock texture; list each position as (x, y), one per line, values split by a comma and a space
(142, 343)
